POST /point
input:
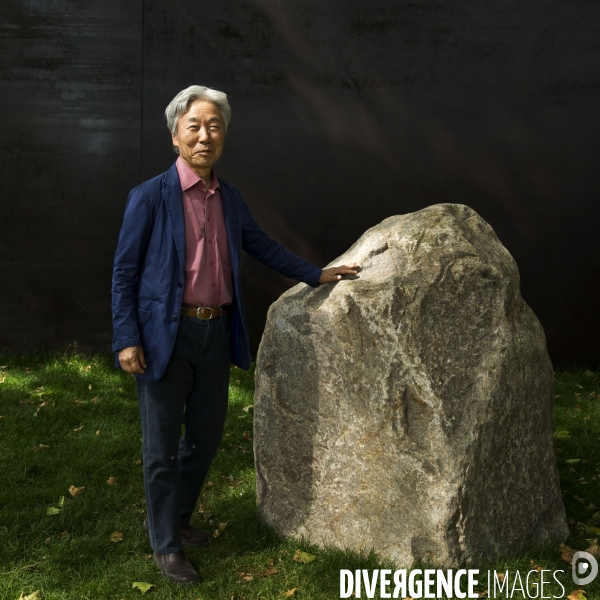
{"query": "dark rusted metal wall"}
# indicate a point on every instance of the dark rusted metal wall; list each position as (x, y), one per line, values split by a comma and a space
(344, 113)
(70, 100)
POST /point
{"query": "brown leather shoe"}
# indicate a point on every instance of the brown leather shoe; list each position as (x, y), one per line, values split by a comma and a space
(191, 536)
(177, 568)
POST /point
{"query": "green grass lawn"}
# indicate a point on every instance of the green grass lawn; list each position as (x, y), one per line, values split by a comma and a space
(72, 421)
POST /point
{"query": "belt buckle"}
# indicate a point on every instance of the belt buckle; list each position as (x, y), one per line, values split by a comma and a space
(199, 315)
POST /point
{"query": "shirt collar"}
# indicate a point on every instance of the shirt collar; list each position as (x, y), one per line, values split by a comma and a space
(188, 177)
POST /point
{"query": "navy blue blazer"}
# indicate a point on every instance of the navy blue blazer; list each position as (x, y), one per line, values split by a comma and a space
(149, 269)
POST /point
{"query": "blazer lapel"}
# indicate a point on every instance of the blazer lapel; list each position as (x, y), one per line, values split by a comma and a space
(173, 198)
(228, 212)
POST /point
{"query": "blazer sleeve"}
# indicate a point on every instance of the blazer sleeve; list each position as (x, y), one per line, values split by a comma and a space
(267, 251)
(134, 237)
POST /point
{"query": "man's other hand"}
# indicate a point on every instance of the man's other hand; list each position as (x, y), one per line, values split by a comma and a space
(132, 360)
(336, 273)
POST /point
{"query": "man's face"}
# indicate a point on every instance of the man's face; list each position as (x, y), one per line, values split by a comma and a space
(200, 136)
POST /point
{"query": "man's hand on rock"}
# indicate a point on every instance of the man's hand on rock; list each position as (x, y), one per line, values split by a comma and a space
(132, 360)
(336, 273)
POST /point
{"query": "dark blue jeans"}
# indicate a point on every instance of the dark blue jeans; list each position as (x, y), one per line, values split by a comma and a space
(193, 392)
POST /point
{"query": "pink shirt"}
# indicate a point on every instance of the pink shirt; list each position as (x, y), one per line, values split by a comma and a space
(207, 266)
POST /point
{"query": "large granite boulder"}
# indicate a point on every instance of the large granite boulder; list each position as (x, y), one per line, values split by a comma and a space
(410, 410)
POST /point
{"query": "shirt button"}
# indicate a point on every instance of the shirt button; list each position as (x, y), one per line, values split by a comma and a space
(179, 284)
(214, 284)
(211, 262)
(210, 241)
(208, 219)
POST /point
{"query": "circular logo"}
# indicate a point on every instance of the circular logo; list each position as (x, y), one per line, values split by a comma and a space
(585, 568)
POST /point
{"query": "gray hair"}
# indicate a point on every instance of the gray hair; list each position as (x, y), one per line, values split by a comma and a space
(182, 102)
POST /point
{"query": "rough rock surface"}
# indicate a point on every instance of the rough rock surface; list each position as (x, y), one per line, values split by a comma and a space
(410, 410)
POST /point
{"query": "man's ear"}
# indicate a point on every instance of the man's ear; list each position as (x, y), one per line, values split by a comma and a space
(174, 139)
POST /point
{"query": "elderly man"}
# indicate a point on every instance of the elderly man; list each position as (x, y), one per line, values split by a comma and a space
(178, 315)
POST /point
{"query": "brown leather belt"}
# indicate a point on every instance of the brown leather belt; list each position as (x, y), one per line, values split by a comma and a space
(203, 312)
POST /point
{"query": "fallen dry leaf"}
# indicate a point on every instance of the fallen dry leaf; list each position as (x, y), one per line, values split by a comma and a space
(592, 529)
(138, 461)
(111, 481)
(218, 531)
(246, 435)
(535, 567)
(269, 572)
(594, 550)
(54, 510)
(78, 429)
(142, 586)
(41, 391)
(35, 596)
(233, 481)
(75, 491)
(117, 536)
(246, 409)
(246, 576)
(577, 595)
(303, 557)
(40, 445)
(291, 592)
(147, 556)
(566, 553)
(42, 405)
(561, 434)
(97, 432)
(500, 576)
